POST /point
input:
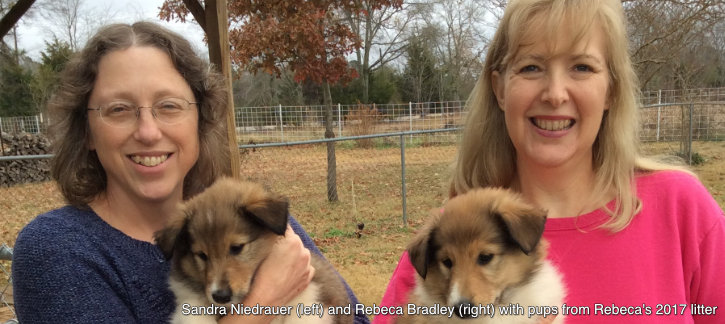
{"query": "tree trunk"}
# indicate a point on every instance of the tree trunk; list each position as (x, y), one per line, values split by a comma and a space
(331, 161)
(365, 85)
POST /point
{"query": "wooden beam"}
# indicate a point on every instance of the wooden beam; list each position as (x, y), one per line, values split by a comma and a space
(12, 17)
(197, 10)
(217, 34)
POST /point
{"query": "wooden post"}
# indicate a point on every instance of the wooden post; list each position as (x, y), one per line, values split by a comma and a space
(217, 32)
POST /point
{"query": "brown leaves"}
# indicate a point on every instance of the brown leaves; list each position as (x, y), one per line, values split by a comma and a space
(19, 204)
(173, 9)
(301, 36)
(304, 36)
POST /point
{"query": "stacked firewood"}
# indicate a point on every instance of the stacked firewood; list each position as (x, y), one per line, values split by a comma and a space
(14, 172)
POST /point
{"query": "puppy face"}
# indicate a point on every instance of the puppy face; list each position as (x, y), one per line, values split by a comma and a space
(219, 238)
(484, 242)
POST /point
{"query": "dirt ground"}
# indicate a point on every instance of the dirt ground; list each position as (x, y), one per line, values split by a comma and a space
(369, 190)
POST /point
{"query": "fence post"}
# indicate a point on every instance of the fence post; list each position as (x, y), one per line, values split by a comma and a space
(659, 109)
(410, 119)
(281, 123)
(689, 138)
(37, 125)
(402, 177)
(2, 147)
(339, 120)
(42, 122)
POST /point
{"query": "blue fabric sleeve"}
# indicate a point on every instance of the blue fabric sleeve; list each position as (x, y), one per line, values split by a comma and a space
(71, 267)
(54, 282)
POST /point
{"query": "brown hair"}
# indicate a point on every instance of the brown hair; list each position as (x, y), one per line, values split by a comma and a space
(77, 169)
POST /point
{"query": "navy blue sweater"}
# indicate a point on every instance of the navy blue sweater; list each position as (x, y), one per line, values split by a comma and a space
(70, 266)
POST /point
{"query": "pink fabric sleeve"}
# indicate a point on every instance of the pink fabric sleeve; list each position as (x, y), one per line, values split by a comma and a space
(703, 259)
(400, 285)
(708, 282)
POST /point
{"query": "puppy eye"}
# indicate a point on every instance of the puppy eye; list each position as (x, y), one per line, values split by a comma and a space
(484, 259)
(236, 249)
(201, 255)
(447, 263)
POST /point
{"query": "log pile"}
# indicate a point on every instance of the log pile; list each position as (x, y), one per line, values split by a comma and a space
(23, 171)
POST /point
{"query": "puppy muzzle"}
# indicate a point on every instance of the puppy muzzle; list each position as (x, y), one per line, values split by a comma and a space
(222, 295)
(464, 309)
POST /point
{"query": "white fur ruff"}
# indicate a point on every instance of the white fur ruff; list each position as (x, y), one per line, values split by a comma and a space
(185, 295)
(545, 288)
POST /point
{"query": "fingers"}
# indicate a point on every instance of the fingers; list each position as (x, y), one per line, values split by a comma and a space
(311, 273)
(286, 272)
(303, 267)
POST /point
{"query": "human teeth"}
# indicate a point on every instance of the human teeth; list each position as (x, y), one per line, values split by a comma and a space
(149, 161)
(553, 125)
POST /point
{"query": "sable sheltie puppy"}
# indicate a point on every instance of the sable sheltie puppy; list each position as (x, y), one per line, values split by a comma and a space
(217, 241)
(485, 248)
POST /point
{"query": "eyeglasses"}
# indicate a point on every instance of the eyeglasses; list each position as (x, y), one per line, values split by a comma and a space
(124, 114)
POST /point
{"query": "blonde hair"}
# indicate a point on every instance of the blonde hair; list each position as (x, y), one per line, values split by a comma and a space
(487, 156)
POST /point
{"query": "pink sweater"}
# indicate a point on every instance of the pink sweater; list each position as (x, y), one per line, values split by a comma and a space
(668, 264)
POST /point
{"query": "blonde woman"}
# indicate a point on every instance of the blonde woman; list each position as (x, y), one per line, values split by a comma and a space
(554, 117)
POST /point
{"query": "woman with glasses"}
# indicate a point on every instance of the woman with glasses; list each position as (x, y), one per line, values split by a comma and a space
(138, 128)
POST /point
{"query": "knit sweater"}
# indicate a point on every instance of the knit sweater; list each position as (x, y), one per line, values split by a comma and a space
(665, 267)
(70, 266)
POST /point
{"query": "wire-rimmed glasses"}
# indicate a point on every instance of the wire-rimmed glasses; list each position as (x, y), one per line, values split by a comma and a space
(121, 113)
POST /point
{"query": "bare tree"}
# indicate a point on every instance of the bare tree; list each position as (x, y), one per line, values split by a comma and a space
(12, 12)
(666, 33)
(65, 15)
(718, 36)
(463, 43)
(381, 33)
(73, 21)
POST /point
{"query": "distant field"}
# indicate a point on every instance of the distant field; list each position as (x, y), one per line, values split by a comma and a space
(369, 189)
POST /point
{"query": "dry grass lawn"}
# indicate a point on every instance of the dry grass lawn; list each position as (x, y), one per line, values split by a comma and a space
(369, 190)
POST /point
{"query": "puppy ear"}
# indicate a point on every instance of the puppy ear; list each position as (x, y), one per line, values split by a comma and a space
(174, 237)
(270, 213)
(524, 225)
(421, 251)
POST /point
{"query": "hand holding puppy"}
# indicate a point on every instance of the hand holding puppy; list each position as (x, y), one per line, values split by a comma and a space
(284, 274)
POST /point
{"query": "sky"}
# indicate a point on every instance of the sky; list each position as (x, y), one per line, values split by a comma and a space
(34, 29)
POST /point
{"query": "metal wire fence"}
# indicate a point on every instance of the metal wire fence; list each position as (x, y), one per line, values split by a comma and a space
(392, 155)
(296, 123)
(697, 121)
(6, 301)
(382, 179)
(686, 95)
(23, 124)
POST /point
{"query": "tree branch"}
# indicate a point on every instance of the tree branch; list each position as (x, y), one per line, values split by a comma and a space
(12, 17)
(197, 10)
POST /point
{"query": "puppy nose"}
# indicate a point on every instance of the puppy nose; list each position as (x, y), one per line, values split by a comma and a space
(463, 309)
(222, 296)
